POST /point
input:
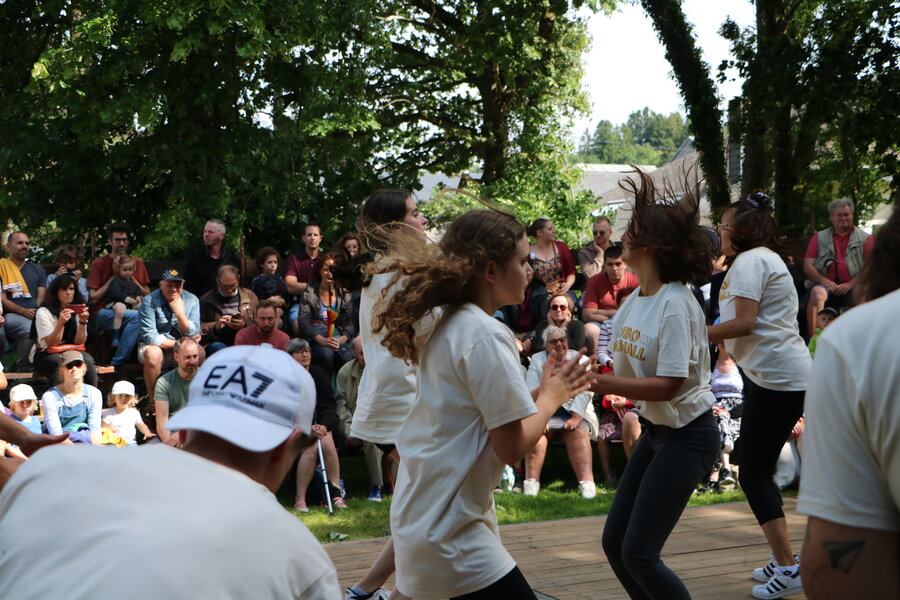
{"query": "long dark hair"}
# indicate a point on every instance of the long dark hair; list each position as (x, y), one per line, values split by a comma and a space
(754, 226)
(380, 210)
(669, 222)
(51, 298)
(881, 274)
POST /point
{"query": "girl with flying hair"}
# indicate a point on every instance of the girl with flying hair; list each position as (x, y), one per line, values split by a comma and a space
(758, 307)
(473, 413)
(389, 221)
(661, 362)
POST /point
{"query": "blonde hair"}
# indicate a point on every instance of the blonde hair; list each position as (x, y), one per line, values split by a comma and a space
(111, 400)
(442, 275)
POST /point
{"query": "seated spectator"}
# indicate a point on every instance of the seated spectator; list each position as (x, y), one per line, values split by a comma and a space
(269, 284)
(728, 387)
(22, 401)
(823, 320)
(575, 418)
(347, 391)
(325, 319)
(167, 315)
(351, 243)
(61, 321)
(560, 314)
(73, 405)
(591, 256)
(522, 318)
(551, 260)
(123, 294)
(619, 422)
(24, 284)
(299, 269)
(171, 391)
(69, 262)
(605, 292)
(325, 420)
(263, 330)
(123, 418)
(225, 310)
(103, 270)
(203, 266)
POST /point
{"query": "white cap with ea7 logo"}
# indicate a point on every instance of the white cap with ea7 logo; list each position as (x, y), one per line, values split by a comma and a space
(251, 396)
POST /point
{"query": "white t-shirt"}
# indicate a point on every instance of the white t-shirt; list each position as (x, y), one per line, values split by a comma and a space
(665, 335)
(851, 444)
(123, 423)
(446, 538)
(774, 355)
(388, 385)
(155, 522)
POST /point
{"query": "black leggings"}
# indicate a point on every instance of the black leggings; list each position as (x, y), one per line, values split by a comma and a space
(511, 586)
(662, 473)
(766, 424)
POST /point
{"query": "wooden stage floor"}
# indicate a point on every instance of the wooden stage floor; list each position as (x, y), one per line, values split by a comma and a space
(713, 549)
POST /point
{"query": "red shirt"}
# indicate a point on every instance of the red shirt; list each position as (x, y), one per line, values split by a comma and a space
(250, 336)
(101, 272)
(301, 266)
(601, 293)
(842, 274)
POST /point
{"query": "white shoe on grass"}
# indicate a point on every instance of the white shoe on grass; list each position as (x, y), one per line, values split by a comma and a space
(588, 489)
(531, 487)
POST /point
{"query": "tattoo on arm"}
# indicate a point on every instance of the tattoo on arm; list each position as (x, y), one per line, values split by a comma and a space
(843, 554)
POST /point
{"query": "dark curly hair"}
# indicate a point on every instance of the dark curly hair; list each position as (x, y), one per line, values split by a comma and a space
(442, 275)
(668, 221)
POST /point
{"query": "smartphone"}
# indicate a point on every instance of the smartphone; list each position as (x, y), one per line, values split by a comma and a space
(76, 308)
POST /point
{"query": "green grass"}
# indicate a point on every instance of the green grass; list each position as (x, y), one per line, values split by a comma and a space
(557, 500)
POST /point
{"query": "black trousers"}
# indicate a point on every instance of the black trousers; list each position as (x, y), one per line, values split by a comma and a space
(511, 586)
(662, 473)
(766, 424)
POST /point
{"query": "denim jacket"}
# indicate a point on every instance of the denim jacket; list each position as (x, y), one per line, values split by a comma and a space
(158, 322)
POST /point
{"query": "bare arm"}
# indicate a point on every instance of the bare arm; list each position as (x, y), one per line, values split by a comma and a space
(162, 418)
(570, 281)
(743, 323)
(813, 274)
(597, 315)
(840, 561)
(11, 307)
(651, 389)
(293, 285)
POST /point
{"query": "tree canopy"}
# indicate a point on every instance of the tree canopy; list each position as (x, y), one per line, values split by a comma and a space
(645, 138)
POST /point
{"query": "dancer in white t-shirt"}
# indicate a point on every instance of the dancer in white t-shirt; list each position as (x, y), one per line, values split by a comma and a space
(851, 462)
(473, 413)
(758, 306)
(388, 386)
(661, 362)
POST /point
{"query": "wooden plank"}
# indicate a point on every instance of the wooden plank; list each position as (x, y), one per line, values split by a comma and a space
(713, 549)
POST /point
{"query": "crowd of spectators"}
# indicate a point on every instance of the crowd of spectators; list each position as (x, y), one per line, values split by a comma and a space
(57, 322)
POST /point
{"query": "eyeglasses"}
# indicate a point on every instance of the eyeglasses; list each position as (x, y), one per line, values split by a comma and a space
(555, 341)
(600, 232)
(558, 307)
(303, 351)
(74, 364)
(120, 239)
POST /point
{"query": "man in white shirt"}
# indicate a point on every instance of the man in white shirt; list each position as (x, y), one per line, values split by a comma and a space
(201, 522)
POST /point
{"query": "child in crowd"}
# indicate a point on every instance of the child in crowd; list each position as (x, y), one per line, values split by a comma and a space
(269, 284)
(22, 401)
(68, 261)
(823, 319)
(123, 418)
(124, 293)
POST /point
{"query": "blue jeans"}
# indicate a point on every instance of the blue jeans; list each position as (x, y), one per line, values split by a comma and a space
(128, 338)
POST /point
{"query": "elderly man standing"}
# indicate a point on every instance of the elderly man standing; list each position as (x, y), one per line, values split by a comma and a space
(201, 522)
(202, 267)
(833, 261)
(590, 256)
(24, 284)
(103, 270)
(167, 315)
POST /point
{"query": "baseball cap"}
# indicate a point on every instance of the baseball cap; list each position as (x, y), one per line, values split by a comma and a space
(828, 311)
(172, 275)
(251, 396)
(71, 356)
(125, 388)
(21, 393)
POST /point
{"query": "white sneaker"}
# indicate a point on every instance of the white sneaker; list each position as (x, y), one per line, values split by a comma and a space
(780, 585)
(588, 489)
(379, 594)
(764, 574)
(531, 487)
